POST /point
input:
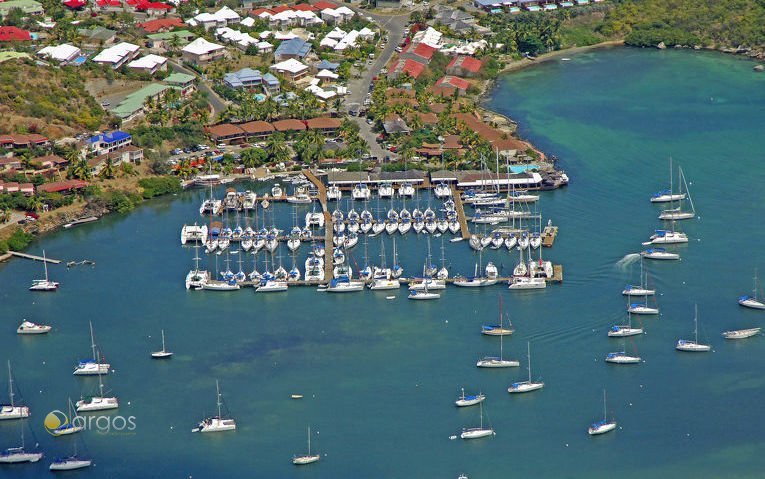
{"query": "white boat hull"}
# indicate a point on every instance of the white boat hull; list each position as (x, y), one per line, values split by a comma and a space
(524, 387)
(70, 465)
(751, 303)
(476, 433)
(303, 460)
(524, 283)
(643, 310)
(384, 284)
(692, 346)
(422, 295)
(741, 333)
(623, 359)
(623, 331)
(598, 429)
(497, 363)
(20, 457)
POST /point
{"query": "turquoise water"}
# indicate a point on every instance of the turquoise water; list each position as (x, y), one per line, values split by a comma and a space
(523, 168)
(379, 377)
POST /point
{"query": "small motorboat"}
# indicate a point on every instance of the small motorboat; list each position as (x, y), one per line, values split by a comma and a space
(28, 327)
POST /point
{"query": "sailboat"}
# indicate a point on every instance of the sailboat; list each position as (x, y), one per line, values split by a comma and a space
(642, 288)
(464, 401)
(475, 280)
(622, 330)
(660, 254)
(44, 284)
(667, 196)
(497, 362)
(97, 403)
(423, 294)
(163, 354)
(741, 333)
(642, 308)
(217, 423)
(70, 463)
(306, 458)
(603, 426)
(526, 386)
(497, 329)
(69, 427)
(621, 357)
(19, 454)
(752, 301)
(12, 411)
(693, 346)
(677, 213)
(477, 432)
(196, 278)
(89, 367)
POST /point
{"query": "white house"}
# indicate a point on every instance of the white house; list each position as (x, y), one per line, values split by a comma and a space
(292, 69)
(430, 36)
(337, 15)
(240, 39)
(202, 51)
(221, 18)
(149, 63)
(61, 53)
(117, 55)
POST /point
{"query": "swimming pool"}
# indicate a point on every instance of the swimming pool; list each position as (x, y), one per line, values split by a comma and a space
(523, 168)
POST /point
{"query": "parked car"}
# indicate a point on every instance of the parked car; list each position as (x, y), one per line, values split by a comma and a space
(176, 151)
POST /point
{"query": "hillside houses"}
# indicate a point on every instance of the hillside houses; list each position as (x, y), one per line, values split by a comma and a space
(230, 133)
(61, 54)
(223, 17)
(117, 55)
(201, 51)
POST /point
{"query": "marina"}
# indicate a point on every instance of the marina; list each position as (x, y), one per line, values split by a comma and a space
(367, 368)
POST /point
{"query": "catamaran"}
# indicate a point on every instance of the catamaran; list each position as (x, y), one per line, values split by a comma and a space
(752, 301)
(361, 192)
(193, 233)
(497, 362)
(12, 411)
(97, 403)
(666, 237)
(196, 278)
(217, 423)
(693, 346)
(472, 400)
(306, 458)
(334, 193)
(44, 284)
(477, 432)
(89, 367)
(603, 426)
(163, 353)
(529, 385)
(28, 327)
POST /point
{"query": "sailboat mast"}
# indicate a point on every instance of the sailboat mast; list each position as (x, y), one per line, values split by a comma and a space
(10, 383)
(45, 265)
(309, 440)
(92, 341)
(163, 340)
(605, 414)
(528, 349)
(217, 390)
(696, 323)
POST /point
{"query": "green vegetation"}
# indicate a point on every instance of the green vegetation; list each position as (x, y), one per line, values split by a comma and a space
(189, 133)
(19, 240)
(53, 96)
(115, 200)
(159, 185)
(710, 23)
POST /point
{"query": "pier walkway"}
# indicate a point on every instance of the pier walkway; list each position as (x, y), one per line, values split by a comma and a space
(33, 257)
(460, 213)
(328, 230)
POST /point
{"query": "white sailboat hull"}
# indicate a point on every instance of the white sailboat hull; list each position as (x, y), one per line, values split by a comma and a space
(692, 346)
(384, 284)
(741, 333)
(597, 429)
(70, 465)
(423, 295)
(667, 198)
(643, 310)
(524, 387)
(20, 457)
(637, 291)
(476, 433)
(497, 363)
(751, 303)
(303, 460)
(474, 282)
(623, 359)
(660, 255)
(623, 331)
(465, 402)
(97, 404)
(676, 215)
(431, 284)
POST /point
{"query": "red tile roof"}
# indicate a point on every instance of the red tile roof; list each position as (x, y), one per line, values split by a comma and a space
(289, 125)
(280, 8)
(321, 5)
(224, 130)
(323, 123)
(59, 186)
(421, 50)
(258, 11)
(413, 68)
(257, 127)
(109, 3)
(452, 81)
(304, 7)
(153, 26)
(14, 34)
(147, 5)
(470, 64)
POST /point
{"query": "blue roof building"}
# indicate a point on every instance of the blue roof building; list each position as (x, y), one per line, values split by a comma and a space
(271, 83)
(108, 142)
(245, 78)
(327, 65)
(296, 48)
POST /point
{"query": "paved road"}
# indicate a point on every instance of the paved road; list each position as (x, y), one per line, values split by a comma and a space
(218, 104)
(393, 26)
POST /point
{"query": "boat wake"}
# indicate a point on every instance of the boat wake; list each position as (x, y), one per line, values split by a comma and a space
(628, 259)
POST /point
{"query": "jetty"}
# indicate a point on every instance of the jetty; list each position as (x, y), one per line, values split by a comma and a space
(328, 230)
(33, 257)
(460, 213)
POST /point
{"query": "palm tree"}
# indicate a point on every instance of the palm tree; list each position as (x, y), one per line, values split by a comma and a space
(277, 148)
(80, 170)
(108, 170)
(34, 203)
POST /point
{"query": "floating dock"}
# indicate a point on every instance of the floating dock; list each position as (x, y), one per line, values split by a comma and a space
(548, 236)
(33, 257)
(328, 230)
